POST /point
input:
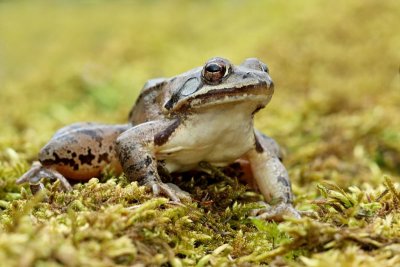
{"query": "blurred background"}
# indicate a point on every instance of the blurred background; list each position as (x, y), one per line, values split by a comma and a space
(335, 64)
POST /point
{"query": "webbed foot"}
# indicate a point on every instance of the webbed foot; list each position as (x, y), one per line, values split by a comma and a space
(169, 190)
(276, 213)
(35, 174)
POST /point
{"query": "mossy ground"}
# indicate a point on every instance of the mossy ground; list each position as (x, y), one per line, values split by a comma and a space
(336, 111)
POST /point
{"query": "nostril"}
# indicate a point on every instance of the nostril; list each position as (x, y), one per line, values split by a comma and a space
(247, 75)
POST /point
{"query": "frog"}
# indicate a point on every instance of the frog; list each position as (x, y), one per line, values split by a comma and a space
(203, 115)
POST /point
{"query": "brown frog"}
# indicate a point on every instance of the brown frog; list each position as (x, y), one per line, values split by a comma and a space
(203, 115)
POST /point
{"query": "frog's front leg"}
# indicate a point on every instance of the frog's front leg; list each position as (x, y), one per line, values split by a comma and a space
(136, 150)
(271, 178)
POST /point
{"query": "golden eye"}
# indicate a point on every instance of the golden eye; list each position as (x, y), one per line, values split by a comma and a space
(214, 71)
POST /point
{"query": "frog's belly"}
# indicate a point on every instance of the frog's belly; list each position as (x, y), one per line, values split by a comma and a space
(184, 155)
(188, 158)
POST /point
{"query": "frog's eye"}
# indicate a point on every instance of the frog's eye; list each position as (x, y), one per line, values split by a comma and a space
(215, 70)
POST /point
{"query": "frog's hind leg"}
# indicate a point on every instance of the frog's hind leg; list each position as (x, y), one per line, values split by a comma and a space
(76, 152)
(35, 174)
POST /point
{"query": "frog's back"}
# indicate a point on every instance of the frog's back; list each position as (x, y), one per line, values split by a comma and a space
(148, 105)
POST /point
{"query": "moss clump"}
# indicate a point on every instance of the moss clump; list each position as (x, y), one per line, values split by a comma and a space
(112, 223)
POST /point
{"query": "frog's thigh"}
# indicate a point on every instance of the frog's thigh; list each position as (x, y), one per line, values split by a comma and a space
(82, 152)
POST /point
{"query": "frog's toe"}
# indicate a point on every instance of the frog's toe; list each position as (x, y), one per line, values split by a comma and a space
(277, 212)
(31, 175)
(170, 190)
(54, 175)
(35, 174)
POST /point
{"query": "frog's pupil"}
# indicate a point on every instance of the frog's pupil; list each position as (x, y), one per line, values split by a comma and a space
(213, 68)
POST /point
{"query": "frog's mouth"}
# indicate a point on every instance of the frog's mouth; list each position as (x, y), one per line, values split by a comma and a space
(259, 93)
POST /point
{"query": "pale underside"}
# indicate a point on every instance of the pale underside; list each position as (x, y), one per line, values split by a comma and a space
(218, 135)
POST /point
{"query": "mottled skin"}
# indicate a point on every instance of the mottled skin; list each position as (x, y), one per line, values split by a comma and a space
(203, 115)
(76, 152)
(83, 149)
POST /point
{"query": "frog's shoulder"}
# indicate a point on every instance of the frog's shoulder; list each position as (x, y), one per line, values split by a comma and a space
(146, 105)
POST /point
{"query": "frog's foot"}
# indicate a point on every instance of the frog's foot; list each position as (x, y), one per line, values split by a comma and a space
(35, 174)
(172, 191)
(276, 213)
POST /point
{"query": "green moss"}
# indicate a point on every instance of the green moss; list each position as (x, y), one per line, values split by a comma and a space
(335, 111)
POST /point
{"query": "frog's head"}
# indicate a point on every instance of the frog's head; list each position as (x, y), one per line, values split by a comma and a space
(220, 82)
